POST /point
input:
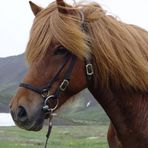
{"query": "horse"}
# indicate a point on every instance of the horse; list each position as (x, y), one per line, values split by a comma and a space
(76, 47)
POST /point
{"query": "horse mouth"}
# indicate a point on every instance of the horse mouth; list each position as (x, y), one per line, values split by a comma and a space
(34, 123)
(31, 125)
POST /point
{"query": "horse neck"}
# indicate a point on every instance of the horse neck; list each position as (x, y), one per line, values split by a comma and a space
(110, 103)
(127, 111)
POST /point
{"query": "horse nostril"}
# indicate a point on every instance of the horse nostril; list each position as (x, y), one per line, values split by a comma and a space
(22, 114)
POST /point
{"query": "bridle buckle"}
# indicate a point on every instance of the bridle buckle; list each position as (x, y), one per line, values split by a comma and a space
(64, 85)
(89, 69)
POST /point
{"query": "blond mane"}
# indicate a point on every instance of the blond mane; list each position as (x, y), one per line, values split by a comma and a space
(120, 50)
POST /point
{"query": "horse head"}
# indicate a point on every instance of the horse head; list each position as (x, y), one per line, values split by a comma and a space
(56, 71)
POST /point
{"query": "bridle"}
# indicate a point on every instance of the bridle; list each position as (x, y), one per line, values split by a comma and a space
(69, 59)
(45, 91)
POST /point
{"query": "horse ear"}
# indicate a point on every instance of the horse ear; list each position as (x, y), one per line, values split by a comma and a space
(35, 9)
(62, 7)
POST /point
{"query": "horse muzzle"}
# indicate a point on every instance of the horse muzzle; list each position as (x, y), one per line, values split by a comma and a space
(28, 120)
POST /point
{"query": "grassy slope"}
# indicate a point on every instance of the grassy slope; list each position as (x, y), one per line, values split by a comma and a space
(4, 99)
(79, 113)
(62, 136)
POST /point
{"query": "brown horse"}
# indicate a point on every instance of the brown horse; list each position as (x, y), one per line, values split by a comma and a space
(63, 41)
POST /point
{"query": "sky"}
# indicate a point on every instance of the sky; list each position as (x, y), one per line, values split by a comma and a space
(16, 19)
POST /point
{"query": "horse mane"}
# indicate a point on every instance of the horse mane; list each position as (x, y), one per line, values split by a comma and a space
(120, 50)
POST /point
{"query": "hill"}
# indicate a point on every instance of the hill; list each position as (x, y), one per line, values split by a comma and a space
(12, 70)
(83, 110)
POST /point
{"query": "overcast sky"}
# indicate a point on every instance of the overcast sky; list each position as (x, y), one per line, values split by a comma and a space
(16, 19)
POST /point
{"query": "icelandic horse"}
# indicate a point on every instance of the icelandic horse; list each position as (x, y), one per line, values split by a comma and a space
(76, 47)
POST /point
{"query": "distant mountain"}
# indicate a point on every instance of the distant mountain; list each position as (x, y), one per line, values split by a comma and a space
(12, 70)
(84, 109)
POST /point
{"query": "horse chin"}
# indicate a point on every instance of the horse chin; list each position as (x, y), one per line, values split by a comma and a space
(31, 125)
(34, 124)
(35, 127)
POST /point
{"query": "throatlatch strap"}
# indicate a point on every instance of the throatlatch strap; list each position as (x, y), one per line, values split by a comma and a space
(88, 64)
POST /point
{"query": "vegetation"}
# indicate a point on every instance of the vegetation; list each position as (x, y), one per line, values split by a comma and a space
(62, 136)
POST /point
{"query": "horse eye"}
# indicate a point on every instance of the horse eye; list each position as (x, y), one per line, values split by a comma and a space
(60, 51)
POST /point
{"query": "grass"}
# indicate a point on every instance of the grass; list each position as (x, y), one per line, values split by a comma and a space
(61, 137)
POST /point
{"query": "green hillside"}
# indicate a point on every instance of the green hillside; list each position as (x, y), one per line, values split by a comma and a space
(79, 111)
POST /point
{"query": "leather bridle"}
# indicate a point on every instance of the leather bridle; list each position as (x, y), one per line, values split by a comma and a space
(45, 91)
(70, 59)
